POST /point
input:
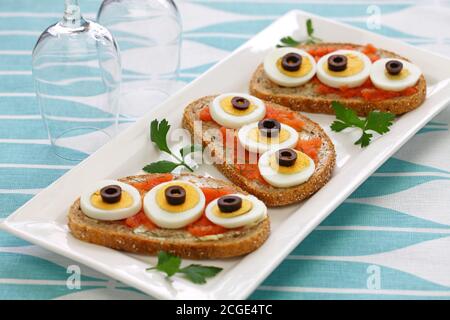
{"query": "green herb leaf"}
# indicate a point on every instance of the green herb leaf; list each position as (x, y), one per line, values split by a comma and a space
(338, 126)
(379, 121)
(309, 27)
(167, 263)
(162, 166)
(347, 115)
(291, 42)
(170, 265)
(198, 273)
(288, 42)
(189, 149)
(376, 121)
(158, 134)
(364, 141)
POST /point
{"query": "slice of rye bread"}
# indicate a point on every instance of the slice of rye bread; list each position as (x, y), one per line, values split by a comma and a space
(305, 98)
(270, 195)
(116, 235)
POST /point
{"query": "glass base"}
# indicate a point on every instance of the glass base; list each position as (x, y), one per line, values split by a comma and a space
(137, 102)
(78, 143)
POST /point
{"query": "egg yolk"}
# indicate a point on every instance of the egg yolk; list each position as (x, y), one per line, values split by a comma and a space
(255, 135)
(226, 105)
(126, 201)
(354, 66)
(300, 164)
(402, 75)
(192, 198)
(247, 205)
(304, 69)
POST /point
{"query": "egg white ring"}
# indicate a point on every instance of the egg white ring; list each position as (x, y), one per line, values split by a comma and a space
(256, 213)
(381, 81)
(350, 81)
(272, 72)
(259, 147)
(110, 215)
(172, 220)
(234, 122)
(281, 180)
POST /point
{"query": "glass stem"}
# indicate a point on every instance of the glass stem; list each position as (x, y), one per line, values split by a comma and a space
(72, 14)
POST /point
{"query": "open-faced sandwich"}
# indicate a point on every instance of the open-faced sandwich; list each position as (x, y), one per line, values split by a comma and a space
(364, 78)
(274, 153)
(187, 215)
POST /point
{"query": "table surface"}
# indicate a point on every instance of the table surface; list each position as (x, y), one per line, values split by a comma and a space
(389, 240)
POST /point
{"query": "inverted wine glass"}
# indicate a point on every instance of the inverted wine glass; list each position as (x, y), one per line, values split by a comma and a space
(77, 75)
(149, 36)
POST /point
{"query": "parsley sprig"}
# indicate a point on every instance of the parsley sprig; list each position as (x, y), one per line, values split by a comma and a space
(158, 135)
(291, 42)
(376, 121)
(196, 273)
(288, 42)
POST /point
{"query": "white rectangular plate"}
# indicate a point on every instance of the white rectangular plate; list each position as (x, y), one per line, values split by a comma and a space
(43, 219)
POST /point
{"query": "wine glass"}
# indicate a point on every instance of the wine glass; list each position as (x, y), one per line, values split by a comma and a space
(77, 75)
(149, 36)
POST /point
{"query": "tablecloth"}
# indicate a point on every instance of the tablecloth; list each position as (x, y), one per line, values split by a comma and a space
(390, 239)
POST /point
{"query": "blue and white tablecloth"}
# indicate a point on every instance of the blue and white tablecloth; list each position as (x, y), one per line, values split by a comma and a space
(389, 240)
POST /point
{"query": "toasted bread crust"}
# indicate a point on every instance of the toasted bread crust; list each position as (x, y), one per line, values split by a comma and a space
(270, 195)
(304, 98)
(114, 234)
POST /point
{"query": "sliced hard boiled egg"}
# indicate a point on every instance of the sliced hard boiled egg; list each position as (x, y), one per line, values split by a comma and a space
(253, 139)
(161, 206)
(233, 110)
(282, 66)
(125, 205)
(284, 176)
(353, 74)
(407, 77)
(252, 210)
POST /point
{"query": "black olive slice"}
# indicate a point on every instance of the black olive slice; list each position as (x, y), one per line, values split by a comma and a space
(111, 193)
(337, 62)
(229, 204)
(269, 127)
(291, 61)
(240, 103)
(175, 195)
(286, 157)
(394, 67)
